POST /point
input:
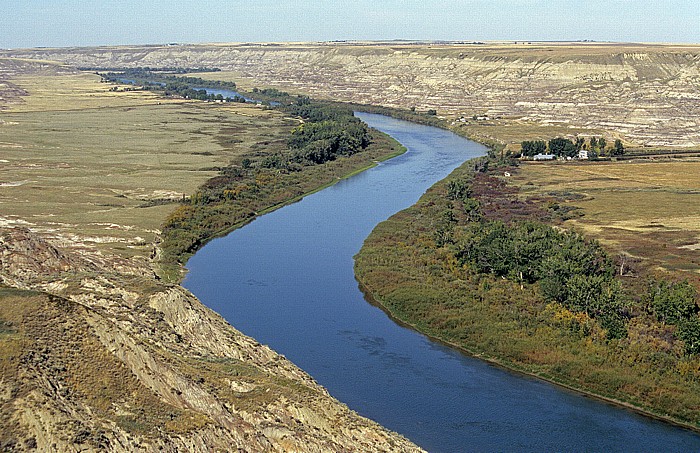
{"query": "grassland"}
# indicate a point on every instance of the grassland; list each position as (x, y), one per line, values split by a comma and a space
(646, 211)
(86, 165)
(421, 283)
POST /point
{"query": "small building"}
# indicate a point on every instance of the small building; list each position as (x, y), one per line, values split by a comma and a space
(543, 157)
(583, 154)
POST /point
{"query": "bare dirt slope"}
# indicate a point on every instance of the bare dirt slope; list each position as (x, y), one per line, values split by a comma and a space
(645, 94)
(96, 359)
(95, 352)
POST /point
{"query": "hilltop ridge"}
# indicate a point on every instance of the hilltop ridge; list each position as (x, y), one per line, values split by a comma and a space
(645, 94)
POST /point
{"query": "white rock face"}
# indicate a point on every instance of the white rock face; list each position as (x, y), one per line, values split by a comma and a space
(648, 95)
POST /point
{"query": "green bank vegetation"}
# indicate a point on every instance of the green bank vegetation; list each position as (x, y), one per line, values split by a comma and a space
(480, 267)
(570, 148)
(328, 145)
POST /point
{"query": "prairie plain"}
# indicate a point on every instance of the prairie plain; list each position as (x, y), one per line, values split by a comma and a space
(645, 94)
(645, 212)
(87, 165)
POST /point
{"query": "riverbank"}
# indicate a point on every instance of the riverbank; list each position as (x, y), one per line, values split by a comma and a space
(95, 352)
(424, 286)
(192, 226)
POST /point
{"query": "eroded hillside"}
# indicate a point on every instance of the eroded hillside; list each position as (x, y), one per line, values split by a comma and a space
(97, 353)
(648, 95)
(94, 359)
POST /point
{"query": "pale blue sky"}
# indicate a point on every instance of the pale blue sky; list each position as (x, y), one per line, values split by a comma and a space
(33, 23)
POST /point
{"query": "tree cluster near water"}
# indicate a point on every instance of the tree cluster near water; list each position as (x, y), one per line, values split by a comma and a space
(185, 90)
(675, 303)
(564, 147)
(568, 269)
(458, 265)
(329, 131)
(271, 92)
(174, 85)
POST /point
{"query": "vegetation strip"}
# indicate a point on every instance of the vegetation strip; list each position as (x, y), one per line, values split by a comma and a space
(330, 144)
(586, 300)
(462, 266)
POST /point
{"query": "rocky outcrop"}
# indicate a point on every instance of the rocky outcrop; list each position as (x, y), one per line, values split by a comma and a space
(10, 92)
(94, 359)
(645, 94)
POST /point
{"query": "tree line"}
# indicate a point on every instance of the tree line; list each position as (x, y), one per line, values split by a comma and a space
(567, 268)
(564, 147)
(173, 85)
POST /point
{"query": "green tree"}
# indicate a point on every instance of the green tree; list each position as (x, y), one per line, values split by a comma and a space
(618, 148)
(689, 332)
(673, 302)
(458, 189)
(562, 147)
(602, 143)
(531, 148)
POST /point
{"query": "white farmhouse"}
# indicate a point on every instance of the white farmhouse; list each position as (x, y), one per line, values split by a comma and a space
(543, 157)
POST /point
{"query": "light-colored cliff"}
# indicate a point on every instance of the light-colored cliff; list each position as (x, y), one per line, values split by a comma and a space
(646, 94)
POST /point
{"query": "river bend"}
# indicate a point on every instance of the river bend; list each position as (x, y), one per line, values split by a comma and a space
(287, 280)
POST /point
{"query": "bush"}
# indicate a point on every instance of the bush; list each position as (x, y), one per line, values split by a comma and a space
(689, 332)
(673, 302)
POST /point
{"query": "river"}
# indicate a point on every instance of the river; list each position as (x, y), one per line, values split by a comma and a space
(232, 94)
(287, 280)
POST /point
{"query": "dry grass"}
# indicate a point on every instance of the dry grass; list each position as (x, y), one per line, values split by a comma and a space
(88, 165)
(650, 210)
(52, 348)
(76, 92)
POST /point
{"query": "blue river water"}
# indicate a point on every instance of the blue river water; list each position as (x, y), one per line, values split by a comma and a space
(223, 92)
(287, 280)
